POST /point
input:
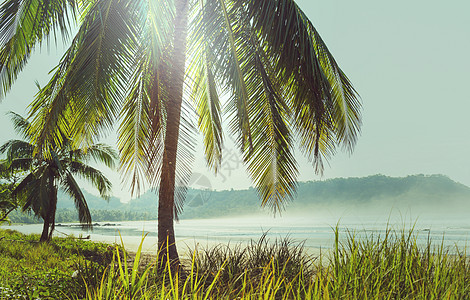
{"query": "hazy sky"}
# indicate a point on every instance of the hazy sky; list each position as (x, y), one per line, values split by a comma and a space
(409, 61)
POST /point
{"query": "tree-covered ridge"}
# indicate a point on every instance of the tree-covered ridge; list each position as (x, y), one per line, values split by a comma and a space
(366, 191)
(376, 189)
(380, 186)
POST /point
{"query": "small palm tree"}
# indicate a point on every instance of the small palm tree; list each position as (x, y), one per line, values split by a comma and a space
(44, 175)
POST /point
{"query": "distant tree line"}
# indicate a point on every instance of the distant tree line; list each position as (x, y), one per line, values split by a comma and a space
(70, 216)
(202, 204)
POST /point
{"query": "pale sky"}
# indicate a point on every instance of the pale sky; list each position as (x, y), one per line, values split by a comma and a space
(409, 61)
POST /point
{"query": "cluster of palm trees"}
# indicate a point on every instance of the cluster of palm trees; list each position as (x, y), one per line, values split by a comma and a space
(155, 66)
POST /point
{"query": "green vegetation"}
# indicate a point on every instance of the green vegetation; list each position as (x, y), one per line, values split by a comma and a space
(66, 215)
(391, 266)
(9, 179)
(54, 270)
(7, 203)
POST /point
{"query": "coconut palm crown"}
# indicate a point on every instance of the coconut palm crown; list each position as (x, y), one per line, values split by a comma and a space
(156, 65)
(45, 175)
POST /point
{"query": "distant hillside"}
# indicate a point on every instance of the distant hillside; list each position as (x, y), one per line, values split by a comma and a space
(369, 191)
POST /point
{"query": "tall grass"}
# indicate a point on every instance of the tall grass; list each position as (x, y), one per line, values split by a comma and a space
(387, 266)
(394, 266)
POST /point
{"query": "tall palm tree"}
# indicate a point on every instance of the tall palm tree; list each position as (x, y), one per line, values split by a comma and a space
(45, 175)
(152, 63)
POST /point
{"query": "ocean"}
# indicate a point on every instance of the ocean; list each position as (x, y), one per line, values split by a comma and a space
(316, 234)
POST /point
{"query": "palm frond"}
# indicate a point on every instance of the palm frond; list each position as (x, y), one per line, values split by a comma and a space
(143, 118)
(50, 125)
(20, 124)
(270, 160)
(94, 176)
(21, 187)
(16, 149)
(134, 136)
(346, 107)
(219, 30)
(28, 189)
(184, 157)
(70, 186)
(23, 25)
(204, 92)
(271, 164)
(37, 189)
(100, 153)
(83, 97)
(141, 129)
(326, 111)
(21, 164)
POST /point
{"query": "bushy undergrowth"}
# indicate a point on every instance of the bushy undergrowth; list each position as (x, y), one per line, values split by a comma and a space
(388, 266)
(55, 270)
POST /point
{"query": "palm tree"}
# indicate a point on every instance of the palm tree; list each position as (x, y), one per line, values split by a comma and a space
(151, 63)
(45, 175)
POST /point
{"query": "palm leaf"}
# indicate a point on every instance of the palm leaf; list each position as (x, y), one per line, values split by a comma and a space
(20, 124)
(325, 106)
(37, 189)
(220, 32)
(204, 92)
(100, 153)
(24, 24)
(270, 160)
(272, 164)
(140, 131)
(30, 195)
(346, 108)
(22, 164)
(94, 176)
(24, 183)
(71, 187)
(16, 149)
(184, 157)
(83, 97)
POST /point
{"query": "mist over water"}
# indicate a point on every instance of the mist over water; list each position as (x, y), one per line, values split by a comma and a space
(314, 226)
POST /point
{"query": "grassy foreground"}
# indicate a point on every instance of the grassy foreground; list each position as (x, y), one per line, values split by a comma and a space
(391, 266)
(33, 270)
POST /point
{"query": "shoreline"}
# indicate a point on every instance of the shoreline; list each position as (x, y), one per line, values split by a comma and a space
(317, 235)
(131, 243)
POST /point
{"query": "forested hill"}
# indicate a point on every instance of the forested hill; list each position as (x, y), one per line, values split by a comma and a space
(367, 191)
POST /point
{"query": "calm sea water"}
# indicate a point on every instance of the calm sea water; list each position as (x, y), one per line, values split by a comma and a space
(317, 233)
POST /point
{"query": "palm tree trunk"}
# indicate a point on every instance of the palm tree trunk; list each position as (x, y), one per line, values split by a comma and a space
(52, 216)
(166, 234)
(45, 230)
(49, 219)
